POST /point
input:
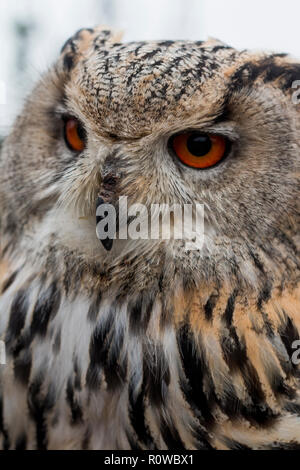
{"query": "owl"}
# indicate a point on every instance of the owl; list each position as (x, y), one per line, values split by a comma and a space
(143, 343)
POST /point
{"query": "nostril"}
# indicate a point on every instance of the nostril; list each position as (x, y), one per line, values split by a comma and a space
(110, 182)
(109, 187)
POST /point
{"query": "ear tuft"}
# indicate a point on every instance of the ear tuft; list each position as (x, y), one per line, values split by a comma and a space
(214, 42)
(76, 46)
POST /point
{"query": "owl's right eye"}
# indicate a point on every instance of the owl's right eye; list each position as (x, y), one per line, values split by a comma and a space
(199, 150)
(74, 134)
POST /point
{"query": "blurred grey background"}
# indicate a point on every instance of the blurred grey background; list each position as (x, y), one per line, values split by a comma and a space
(33, 31)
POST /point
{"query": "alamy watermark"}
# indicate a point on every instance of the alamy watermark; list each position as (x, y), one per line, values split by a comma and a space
(2, 353)
(296, 93)
(296, 354)
(157, 222)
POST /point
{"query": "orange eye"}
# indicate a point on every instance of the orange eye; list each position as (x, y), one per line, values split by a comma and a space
(199, 150)
(75, 135)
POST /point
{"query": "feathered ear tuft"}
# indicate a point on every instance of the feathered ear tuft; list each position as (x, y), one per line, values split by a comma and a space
(77, 46)
(215, 42)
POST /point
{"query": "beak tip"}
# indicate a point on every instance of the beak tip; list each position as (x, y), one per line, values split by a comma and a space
(107, 244)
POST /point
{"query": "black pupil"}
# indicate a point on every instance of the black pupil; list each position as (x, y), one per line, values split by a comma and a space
(81, 132)
(199, 144)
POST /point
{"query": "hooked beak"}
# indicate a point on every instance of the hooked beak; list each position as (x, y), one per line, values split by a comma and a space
(106, 242)
(107, 195)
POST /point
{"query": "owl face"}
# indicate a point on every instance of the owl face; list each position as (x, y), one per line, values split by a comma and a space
(160, 123)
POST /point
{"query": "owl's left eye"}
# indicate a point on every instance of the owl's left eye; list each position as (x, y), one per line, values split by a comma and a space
(74, 134)
(199, 150)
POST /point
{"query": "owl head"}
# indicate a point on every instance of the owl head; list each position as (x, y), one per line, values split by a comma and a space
(157, 123)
